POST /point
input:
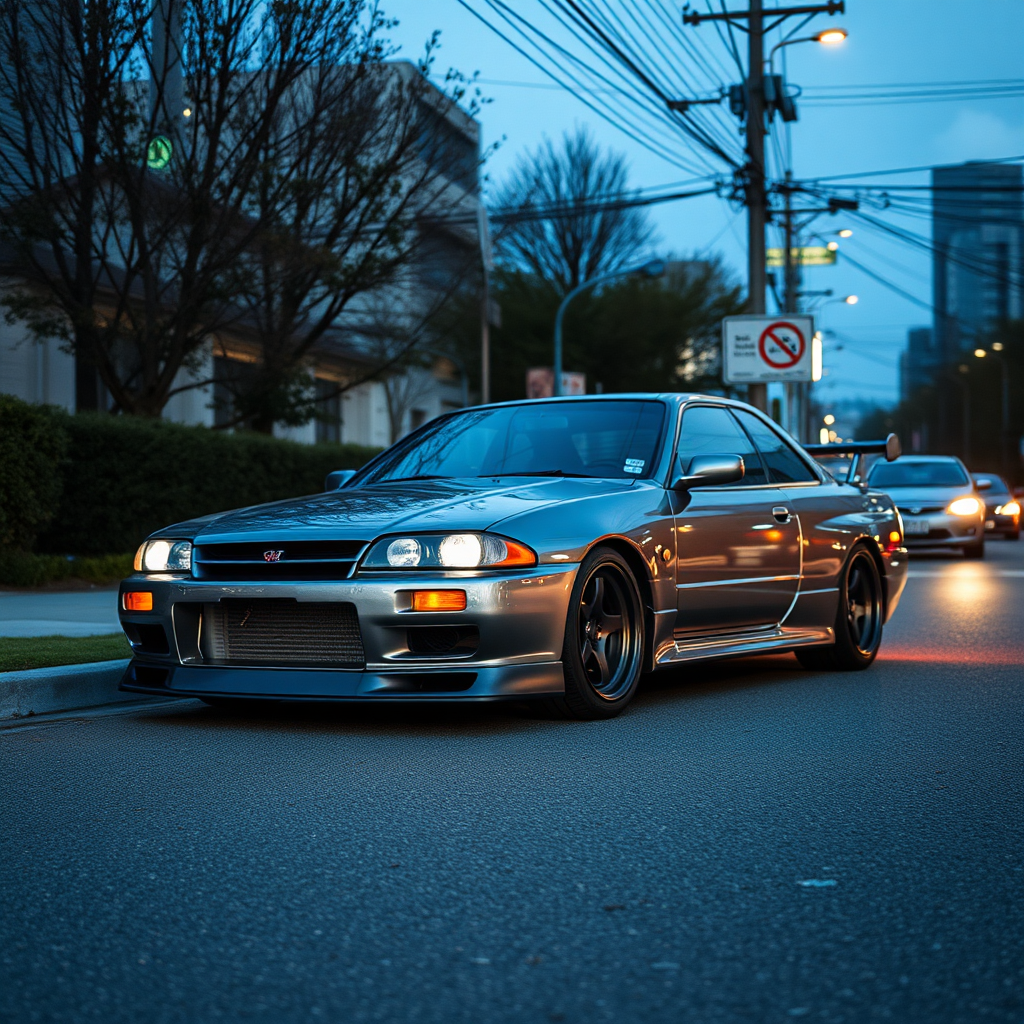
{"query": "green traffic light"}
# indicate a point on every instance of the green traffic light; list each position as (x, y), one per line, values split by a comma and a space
(158, 152)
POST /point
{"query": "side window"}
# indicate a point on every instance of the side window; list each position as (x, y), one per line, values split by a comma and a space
(784, 465)
(710, 430)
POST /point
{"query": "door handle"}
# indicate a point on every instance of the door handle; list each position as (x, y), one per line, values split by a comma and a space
(781, 514)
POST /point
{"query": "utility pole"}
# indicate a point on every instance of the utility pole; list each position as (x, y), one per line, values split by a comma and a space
(757, 207)
(796, 392)
(752, 21)
(486, 266)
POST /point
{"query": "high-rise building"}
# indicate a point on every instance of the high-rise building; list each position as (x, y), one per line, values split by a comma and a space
(978, 264)
(918, 360)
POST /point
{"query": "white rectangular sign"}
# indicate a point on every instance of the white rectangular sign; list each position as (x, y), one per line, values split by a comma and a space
(757, 348)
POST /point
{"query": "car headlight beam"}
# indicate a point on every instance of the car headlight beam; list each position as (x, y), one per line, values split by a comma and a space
(1011, 508)
(964, 507)
(164, 556)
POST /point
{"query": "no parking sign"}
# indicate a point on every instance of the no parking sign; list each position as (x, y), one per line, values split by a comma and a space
(760, 348)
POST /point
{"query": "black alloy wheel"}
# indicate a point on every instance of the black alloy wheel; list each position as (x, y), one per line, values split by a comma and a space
(602, 655)
(859, 619)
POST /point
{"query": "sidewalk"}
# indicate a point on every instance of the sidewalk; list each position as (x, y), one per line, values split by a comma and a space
(59, 613)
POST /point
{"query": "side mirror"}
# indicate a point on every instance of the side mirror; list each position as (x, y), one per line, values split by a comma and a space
(336, 480)
(708, 470)
(983, 484)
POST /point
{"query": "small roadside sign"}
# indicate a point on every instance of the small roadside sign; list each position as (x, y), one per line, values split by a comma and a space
(803, 256)
(760, 348)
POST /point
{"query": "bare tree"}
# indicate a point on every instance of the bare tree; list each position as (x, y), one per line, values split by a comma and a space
(130, 211)
(574, 245)
(366, 154)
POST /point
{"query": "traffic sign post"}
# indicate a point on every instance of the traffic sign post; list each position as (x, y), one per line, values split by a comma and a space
(759, 349)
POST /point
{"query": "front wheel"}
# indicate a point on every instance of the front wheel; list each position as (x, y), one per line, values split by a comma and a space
(602, 653)
(858, 625)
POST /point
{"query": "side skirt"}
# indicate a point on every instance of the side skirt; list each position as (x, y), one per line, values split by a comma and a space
(782, 638)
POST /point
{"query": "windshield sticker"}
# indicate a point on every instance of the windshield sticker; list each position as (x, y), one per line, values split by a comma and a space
(633, 466)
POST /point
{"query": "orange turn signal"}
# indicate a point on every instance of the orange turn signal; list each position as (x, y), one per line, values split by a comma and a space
(895, 537)
(138, 601)
(518, 554)
(438, 600)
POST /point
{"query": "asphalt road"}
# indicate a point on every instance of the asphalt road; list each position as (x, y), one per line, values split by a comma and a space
(750, 842)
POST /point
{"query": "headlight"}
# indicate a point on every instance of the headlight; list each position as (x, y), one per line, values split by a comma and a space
(1011, 508)
(164, 556)
(449, 551)
(964, 507)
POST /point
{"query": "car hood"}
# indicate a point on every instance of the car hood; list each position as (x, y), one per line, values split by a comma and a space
(907, 496)
(364, 513)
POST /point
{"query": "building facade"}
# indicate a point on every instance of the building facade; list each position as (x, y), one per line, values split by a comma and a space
(353, 404)
(978, 262)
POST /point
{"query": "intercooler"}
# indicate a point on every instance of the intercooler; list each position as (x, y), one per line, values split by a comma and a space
(271, 632)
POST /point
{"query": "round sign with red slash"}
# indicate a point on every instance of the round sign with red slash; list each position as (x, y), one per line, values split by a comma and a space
(782, 345)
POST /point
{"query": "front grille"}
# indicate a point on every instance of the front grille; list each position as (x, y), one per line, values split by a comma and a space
(282, 632)
(277, 560)
(922, 510)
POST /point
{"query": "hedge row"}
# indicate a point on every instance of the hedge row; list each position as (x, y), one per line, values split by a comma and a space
(33, 449)
(120, 478)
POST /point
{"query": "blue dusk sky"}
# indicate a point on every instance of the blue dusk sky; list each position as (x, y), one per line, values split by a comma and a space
(890, 42)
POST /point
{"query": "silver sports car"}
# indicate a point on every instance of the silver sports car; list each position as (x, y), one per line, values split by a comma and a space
(551, 550)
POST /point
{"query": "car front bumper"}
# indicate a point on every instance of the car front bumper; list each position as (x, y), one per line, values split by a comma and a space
(942, 530)
(999, 523)
(517, 622)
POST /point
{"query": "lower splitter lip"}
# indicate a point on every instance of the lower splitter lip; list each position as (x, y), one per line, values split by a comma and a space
(255, 683)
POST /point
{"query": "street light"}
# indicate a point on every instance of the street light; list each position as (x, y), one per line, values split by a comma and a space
(829, 37)
(654, 268)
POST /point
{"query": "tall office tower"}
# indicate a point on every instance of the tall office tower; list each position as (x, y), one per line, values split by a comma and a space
(978, 265)
(918, 360)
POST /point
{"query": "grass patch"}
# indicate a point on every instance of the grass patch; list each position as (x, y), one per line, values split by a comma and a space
(24, 569)
(22, 652)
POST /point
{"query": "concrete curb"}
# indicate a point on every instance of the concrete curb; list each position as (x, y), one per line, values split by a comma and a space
(39, 691)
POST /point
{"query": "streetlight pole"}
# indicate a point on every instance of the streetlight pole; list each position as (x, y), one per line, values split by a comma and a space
(655, 268)
(1004, 427)
(965, 384)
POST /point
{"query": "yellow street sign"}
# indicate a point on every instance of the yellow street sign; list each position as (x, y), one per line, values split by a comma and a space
(804, 256)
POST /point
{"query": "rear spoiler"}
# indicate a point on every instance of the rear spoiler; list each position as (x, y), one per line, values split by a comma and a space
(890, 448)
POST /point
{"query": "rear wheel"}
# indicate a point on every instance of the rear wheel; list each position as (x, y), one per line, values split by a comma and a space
(602, 653)
(858, 625)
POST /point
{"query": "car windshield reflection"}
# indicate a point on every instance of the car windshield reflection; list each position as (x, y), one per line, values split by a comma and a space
(606, 439)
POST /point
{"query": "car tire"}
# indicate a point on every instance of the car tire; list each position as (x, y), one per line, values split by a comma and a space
(975, 550)
(1012, 535)
(859, 619)
(602, 653)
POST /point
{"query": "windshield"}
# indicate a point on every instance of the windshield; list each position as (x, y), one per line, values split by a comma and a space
(617, 439)
(941, 473)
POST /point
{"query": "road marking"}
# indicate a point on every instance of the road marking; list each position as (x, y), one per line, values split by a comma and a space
(915, 574)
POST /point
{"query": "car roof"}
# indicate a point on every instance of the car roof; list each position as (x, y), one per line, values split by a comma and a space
(929, 458)
(677, 397)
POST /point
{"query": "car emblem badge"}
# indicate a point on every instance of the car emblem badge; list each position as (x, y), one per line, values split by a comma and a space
(913, 512)
(272, 556)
